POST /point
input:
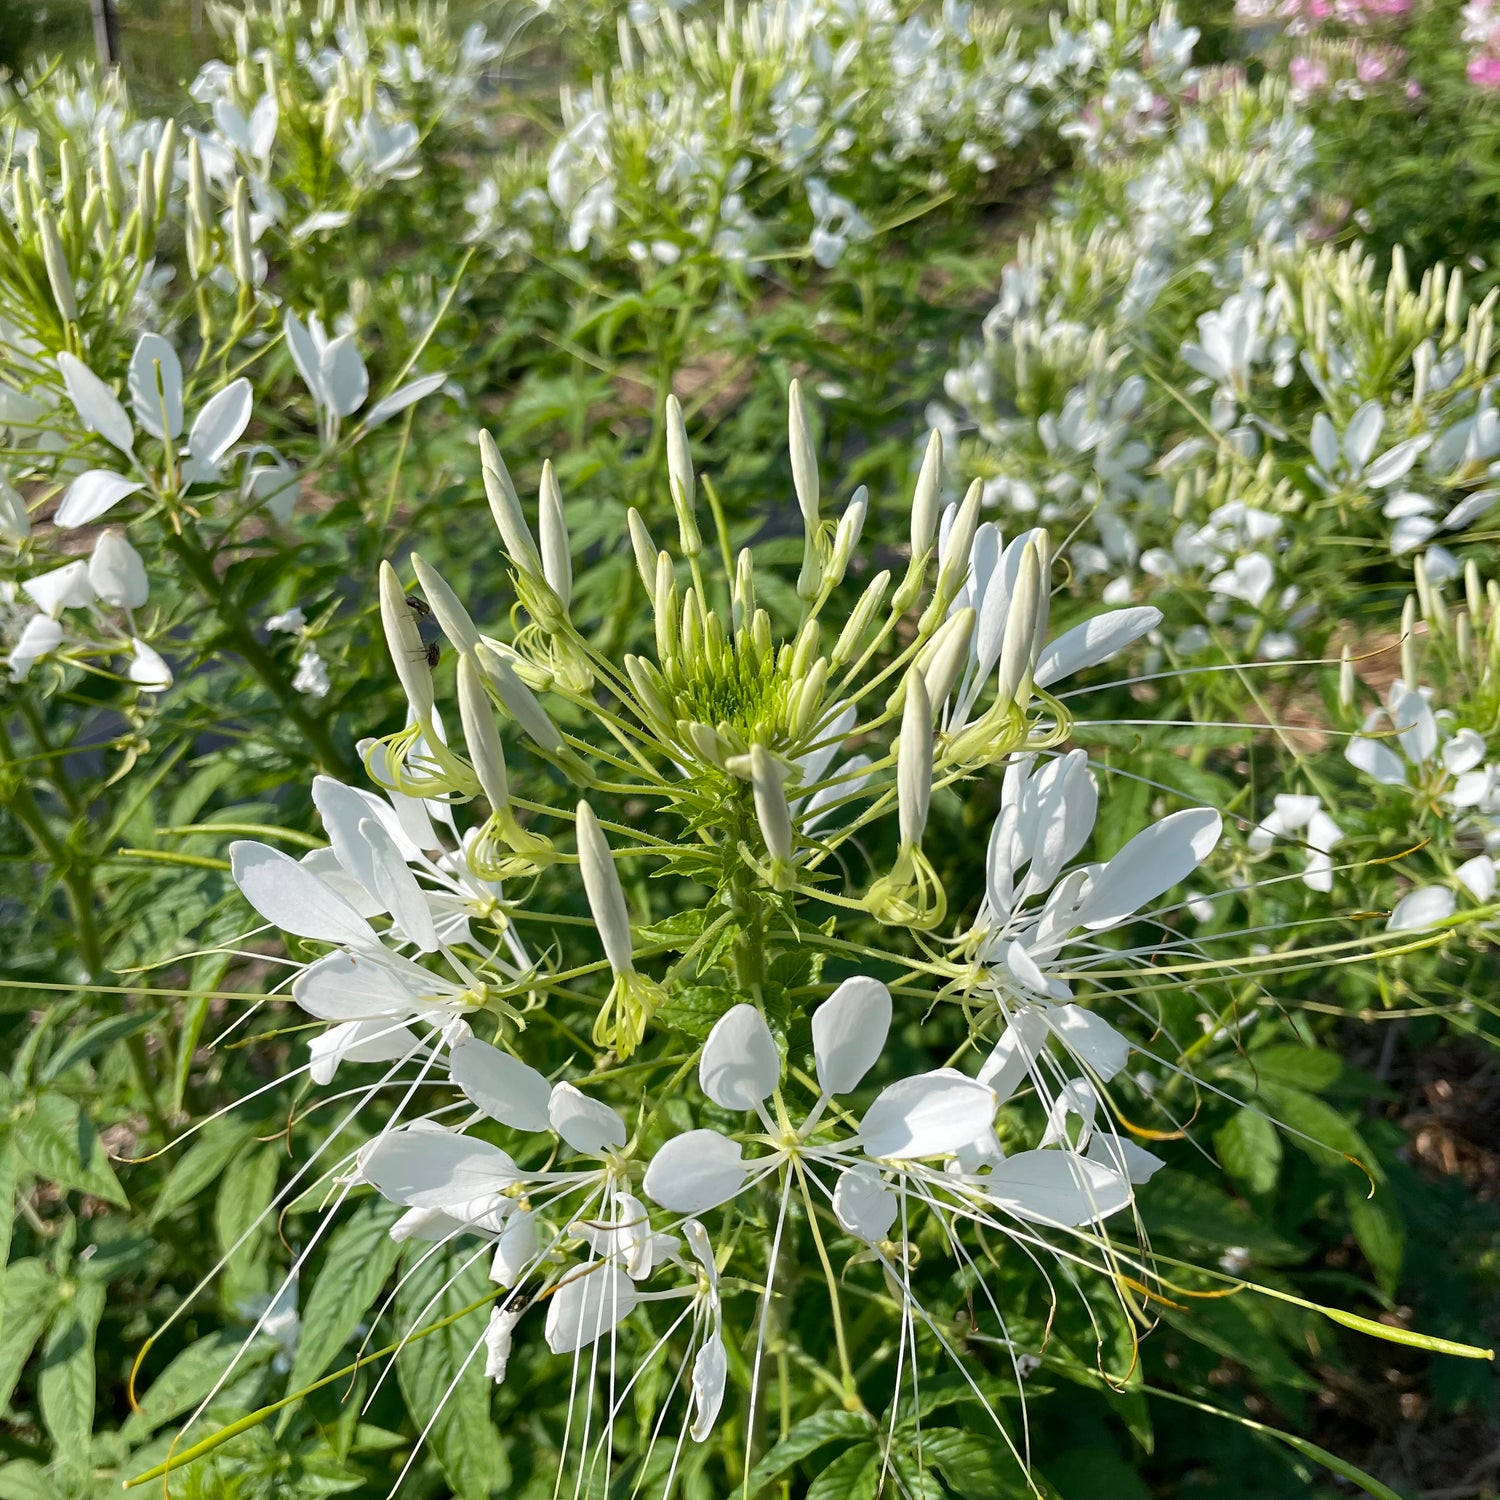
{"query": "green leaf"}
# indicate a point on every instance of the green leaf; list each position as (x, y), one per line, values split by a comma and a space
(189, 1378)
(694, 1008)
(854, 1475)
(202, 1164)
(1250, 1149)
(972, 1466)
(805, 1437)
(65, 1387)
(361, 1256)
(1303, 1067)
(1382, 1240)
(7, 1211)
(30, 1297)
(1184, 1207)
(240, 1210)
(458, 1406)
(24, 1480)
(58, 1142)
(91, 1042)
(1318, 1129)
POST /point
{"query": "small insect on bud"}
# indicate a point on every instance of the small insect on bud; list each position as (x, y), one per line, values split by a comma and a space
(680, 478)
(914, 762)
(404, 641)
(505, 506)
(557, 561)
(453, 619)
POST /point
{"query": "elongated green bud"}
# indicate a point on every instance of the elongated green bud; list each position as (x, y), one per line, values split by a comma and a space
(1018, 647)
(860, 617)
(404, 641)
(166, 167)
(200, 221)
(557, 560)
(1346, 680)
(927, 497)
(650, 691)
(771, 810)
(112, 183)
(505, 506)
(601, 883)
(1409, 641)
(804, 650)
(846, 538)
(481, 736)
(59, 278)
(519, 701)
(680, 478)
(743, 603)
(240, 246)
(644, 549)
(664, 599)
(946, 654)
(804, 457)
(914, 762)
(955, 568)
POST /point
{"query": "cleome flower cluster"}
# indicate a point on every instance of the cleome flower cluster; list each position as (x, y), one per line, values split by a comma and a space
(677, 1121)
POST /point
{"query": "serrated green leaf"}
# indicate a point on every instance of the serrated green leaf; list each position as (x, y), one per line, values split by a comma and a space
(361, 1256)
(693, 1008)
(805, 1437)
(1318, 1129)
(854, 1475)
(1382, 1240)
(21, 1479)
(457, 1405)
(92, 1041)
(202, 1164)
(972, 1466)
(59, 1143)
(1250, 1149)
(189, 1378)
(1313, 1068)
(65, 1385)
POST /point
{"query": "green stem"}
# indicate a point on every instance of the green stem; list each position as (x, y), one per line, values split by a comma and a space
(314, 729)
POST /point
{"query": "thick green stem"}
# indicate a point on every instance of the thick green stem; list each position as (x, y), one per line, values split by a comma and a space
(331, 757)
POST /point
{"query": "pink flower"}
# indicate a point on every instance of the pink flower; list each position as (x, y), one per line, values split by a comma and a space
(1484, 72)
(1309, 74)
(1413, 89)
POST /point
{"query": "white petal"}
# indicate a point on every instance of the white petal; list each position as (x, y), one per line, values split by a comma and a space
(1090, 1038)
(67, 587)
(696, 1171)
(504, 1087)
(354, 986)
(590, 1301)
(709, 1371)
(497, 1341)
(1416, 725)
(221, 423)
(1125, 1156)
(1362, 433)
(344, 376)
(1094, 641)
(589, 1127)
(358, 1041)
(41, 636)
(1057, 1187)
(932, 1114)
(294, 899)
(96, 403)
(408, 395)
(1423, 907)
(151, 350)
(740, 1067)
(849, 1031)
(398, 889)
(1153, 861)
(116, 572)
(147, 668)
(1013, 1054)
(93, 494)
(863, 1204)
(1463, 752)
(1478, 876)
(1376, 758)
(433, 1169)
(517, 1248)
(303, 347)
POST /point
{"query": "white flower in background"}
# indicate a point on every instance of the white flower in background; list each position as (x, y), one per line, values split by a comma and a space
(1298, 816)
(312, 673)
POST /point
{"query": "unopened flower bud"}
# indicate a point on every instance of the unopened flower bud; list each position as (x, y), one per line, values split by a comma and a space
(644, 549)
(850, 528)
(557, 561)
(927, 496)
(804, 458)
(481, 736)
(860, 617)
(1346, 680)
(519, 701)
(505, 506)
(241, 249)
(601, 883)
(945, 654)
(59, 278)
(1018, 646)
(771, 810)
(743, 602)
(649, 689)
(807, 699)
(112, 182)
(914, 762)
(680, 478)
(1409, 641)
(959, 543)
(452, 617)
(404, 641)
(804, 650)
(165, 166)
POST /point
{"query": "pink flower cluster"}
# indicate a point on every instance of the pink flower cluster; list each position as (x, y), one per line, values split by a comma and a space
(1343, 49)
(1482, 32)
(1302, 17)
